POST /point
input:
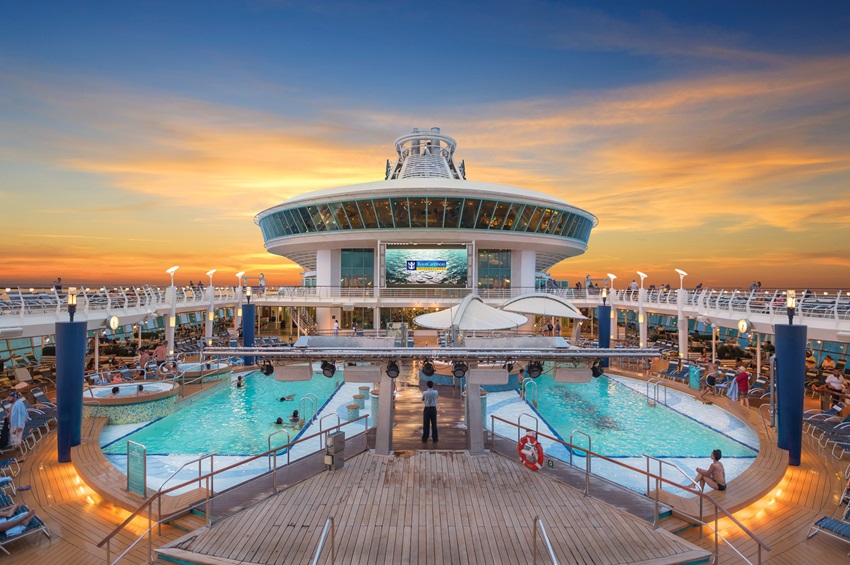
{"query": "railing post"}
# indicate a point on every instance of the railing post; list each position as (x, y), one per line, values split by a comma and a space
(333, 541)
(586, 473)
(534, 541)
(150, 534)
(717, 540)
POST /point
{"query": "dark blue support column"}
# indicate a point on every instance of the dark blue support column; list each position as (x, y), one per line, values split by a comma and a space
(249, 321)
(790, 376)
(603, 315)
(70, 366)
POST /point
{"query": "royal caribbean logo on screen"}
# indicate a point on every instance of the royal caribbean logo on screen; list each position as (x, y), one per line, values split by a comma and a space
(426, 265)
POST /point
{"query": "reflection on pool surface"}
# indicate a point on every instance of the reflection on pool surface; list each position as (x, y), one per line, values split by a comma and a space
(228, 421)
(623, 424)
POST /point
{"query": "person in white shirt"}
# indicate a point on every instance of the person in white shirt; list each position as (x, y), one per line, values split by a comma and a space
(633, 285)
(429, 414)
(835, 382)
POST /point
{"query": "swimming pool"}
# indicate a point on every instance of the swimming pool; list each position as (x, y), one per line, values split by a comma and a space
(230, 422)
(614, 411)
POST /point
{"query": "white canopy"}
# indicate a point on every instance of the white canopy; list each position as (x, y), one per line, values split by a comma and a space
(471, 314)
(543, 305)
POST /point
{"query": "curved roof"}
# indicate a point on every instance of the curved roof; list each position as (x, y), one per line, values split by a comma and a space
(423, 187)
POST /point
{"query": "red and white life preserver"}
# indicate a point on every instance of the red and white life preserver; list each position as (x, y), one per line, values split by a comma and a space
(530, 452)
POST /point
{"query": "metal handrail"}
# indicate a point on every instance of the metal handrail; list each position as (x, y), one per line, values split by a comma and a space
(702, 495)
(210, 487)
(528, 383)
(288, 441)
(329, 526)
(519, 419)
(661, 464)
(539, 523)
(153, 498)
(763, 420)
(587, 458)
(338, 420)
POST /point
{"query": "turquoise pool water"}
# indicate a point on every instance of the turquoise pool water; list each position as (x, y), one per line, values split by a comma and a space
(229, 421)
(622, 423)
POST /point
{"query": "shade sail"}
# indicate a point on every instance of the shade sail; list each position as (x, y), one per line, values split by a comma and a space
(543, 305)
(471, 315)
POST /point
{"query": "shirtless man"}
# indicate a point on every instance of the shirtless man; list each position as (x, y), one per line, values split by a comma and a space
(715, 475)
(12, 524)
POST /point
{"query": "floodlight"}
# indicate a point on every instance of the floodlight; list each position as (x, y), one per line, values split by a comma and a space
(534, 369)
(392, 369)
(459, 369)
(267, 369)
(428, 369)
(328, 369)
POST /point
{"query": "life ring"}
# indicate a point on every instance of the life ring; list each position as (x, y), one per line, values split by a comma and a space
(530, 452)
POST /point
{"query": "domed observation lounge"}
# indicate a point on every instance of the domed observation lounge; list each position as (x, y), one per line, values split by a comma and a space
(423, 237)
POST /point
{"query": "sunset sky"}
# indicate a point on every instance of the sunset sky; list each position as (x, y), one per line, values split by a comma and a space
(711, 137)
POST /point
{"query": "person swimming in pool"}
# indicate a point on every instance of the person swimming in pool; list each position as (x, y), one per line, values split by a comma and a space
(287, 398)
(240, 382)
(295, 418)
(715, 475)
(115, 392)
(279, 421)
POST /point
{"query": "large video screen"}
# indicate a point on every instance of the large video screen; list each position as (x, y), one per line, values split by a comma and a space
(418, 266)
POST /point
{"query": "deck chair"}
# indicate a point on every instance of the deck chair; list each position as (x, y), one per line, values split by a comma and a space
(9, 467)
(839, 529)
(814, 415)
(36, 525)
(22, 375)
(672, 368)
(817, 427)
(41, 398)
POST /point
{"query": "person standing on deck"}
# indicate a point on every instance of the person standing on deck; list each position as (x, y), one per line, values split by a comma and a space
(18, 420)
(429, 414)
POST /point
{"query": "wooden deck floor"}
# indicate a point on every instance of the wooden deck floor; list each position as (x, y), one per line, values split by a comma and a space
(432, 507)
(78, 518)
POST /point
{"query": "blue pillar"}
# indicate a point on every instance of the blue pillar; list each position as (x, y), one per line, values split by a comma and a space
(790, 376)
(70, 366)
(603, 315)
(249, 317)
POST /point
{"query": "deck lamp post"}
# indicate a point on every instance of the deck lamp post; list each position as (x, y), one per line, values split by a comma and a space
(682, 322)
(791, 305)
(237, 319)
(682, 275)
(172, 315)
(603, 327)
(790, 370)
(642, 324)
(249, 319)
(613, 278)
(70, 366)
(72, 302)
(171, 272)
(208, 323)
(613, 309)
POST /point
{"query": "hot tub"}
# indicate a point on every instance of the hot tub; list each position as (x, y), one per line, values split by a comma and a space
(156, 400)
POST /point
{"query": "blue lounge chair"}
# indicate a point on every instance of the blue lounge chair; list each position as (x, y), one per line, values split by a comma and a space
(671, 369)
(839, 529)
(35, 526)
(818, 427)
(810, 416)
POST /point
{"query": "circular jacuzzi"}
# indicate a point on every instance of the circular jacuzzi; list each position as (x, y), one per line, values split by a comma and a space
(129, 405)
(128, 389)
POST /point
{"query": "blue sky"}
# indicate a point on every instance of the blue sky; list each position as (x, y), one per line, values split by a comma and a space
(708, 122)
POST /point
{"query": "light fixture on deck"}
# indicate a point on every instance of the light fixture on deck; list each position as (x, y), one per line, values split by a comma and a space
(642, 276)
(604, 295)
(791, 305)
(72, 302)
(613, 278)
(210, 273)
(328, 369)
(171, 272)
(508, 366)
(392, 369)
(428, 369)
(534, 369)
(267, 369)
(682, 275)
(459, 369)
(248, 293)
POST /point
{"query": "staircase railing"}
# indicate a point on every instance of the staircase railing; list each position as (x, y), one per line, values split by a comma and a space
(538, 525)
(718, 509)
(156, 497)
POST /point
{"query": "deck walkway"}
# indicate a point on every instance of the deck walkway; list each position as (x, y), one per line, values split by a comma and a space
(432, 507)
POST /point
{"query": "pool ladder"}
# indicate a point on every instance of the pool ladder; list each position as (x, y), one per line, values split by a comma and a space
(530, 395)
(652, 399)
(310, 401)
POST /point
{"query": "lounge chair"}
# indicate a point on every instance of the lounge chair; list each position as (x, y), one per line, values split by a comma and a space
(672, 368)
(22, 375)
(35, 526)
(818, 426)
(839, 529)
(816, 414)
